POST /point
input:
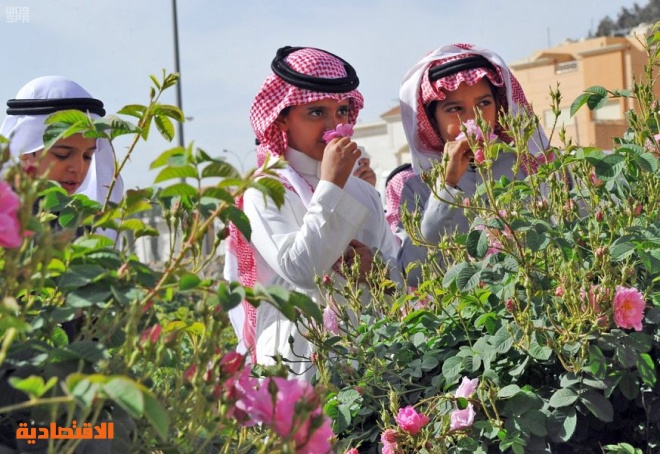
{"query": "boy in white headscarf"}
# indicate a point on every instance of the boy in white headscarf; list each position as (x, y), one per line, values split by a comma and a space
(439, 93)
(80, 165)
(327, 213)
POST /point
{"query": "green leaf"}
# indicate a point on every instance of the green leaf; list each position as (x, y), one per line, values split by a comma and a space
(171, 111)
(271, 188)
(165, 127)
(155, 414)
(127, 394)
(178, 190)
(535, 422)
(629, 386)
(165, 156)
(599, 406)
(307, 305)
(239, 219)
(189, 281)
(452, 367)
(169, 173)
(597, 364)
(562, 423)
(134, 110)
(536, 241)
(607, 167)
(80, 275)
(468, 277)
(219, 194)
(508, 391)
(646, 369)
(33, 385)
(477, 243)
(220, 169)
(348, 396)
(502, 341)
(579, 102)
(563, 398)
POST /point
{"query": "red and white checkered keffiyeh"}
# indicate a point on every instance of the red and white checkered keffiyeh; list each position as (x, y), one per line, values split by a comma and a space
(393, 191)
(274, 96)
(417, 91)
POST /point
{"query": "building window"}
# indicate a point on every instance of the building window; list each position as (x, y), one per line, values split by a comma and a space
(564, 119)
(610, 111)
(566, 67)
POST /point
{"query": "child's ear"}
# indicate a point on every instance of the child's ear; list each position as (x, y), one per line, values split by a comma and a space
(282, 123)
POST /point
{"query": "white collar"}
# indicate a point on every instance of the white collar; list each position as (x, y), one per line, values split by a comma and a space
(308, 167)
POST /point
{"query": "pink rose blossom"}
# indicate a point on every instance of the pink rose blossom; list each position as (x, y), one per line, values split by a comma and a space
(559, 291)
(231, 363)
(467, 387)
(629, 308)
(282, 414)
(479, 157)
(472, 129)
(390, 448)
(150, 335)
(10, 228)
(411, 421)
(330, 320)
(462, 419)
(342, 130)
(389, 436)
(352, 451)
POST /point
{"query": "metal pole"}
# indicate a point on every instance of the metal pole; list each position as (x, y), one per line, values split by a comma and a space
(177, 69)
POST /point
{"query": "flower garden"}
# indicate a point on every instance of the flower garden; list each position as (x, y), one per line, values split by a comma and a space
(538, 332)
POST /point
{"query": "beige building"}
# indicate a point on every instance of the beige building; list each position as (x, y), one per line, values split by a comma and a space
(611, 62)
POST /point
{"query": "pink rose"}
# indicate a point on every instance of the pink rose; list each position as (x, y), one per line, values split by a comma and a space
(462, 419)
(342, 130)
(278, 404)
(411, 421)
(10, 228)
(472, 129)
(389, 448)
(559, 291)
(352, 451)
(231, 363)
(150, 335)
(479, 157)
(389, 436)
(467, 387)
(330, 320)
(629, 308)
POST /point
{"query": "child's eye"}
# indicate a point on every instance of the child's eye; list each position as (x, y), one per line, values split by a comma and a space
(316, 112)
(61, 156)
(343, 111)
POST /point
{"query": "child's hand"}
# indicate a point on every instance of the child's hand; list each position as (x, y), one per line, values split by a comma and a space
(359, 251)
(365, 172)
(338, 160)
(459, 157)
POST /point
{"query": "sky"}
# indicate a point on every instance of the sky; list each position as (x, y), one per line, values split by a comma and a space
(226, 47)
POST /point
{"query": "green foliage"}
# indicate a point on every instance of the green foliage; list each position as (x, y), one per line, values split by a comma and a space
(89, 333)
(523, 302)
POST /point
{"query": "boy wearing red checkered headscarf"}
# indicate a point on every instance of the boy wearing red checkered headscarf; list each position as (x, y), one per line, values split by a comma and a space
(437, 94)
(327, 213)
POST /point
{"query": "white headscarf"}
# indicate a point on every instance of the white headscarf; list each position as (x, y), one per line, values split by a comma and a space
(25, 133)
(409, 95)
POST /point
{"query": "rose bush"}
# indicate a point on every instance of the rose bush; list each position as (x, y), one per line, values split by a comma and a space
(539, 329)
(89, 333)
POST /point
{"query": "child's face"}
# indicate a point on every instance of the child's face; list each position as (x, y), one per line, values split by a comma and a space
(66, 162)
(305, 124)
(459, 106)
